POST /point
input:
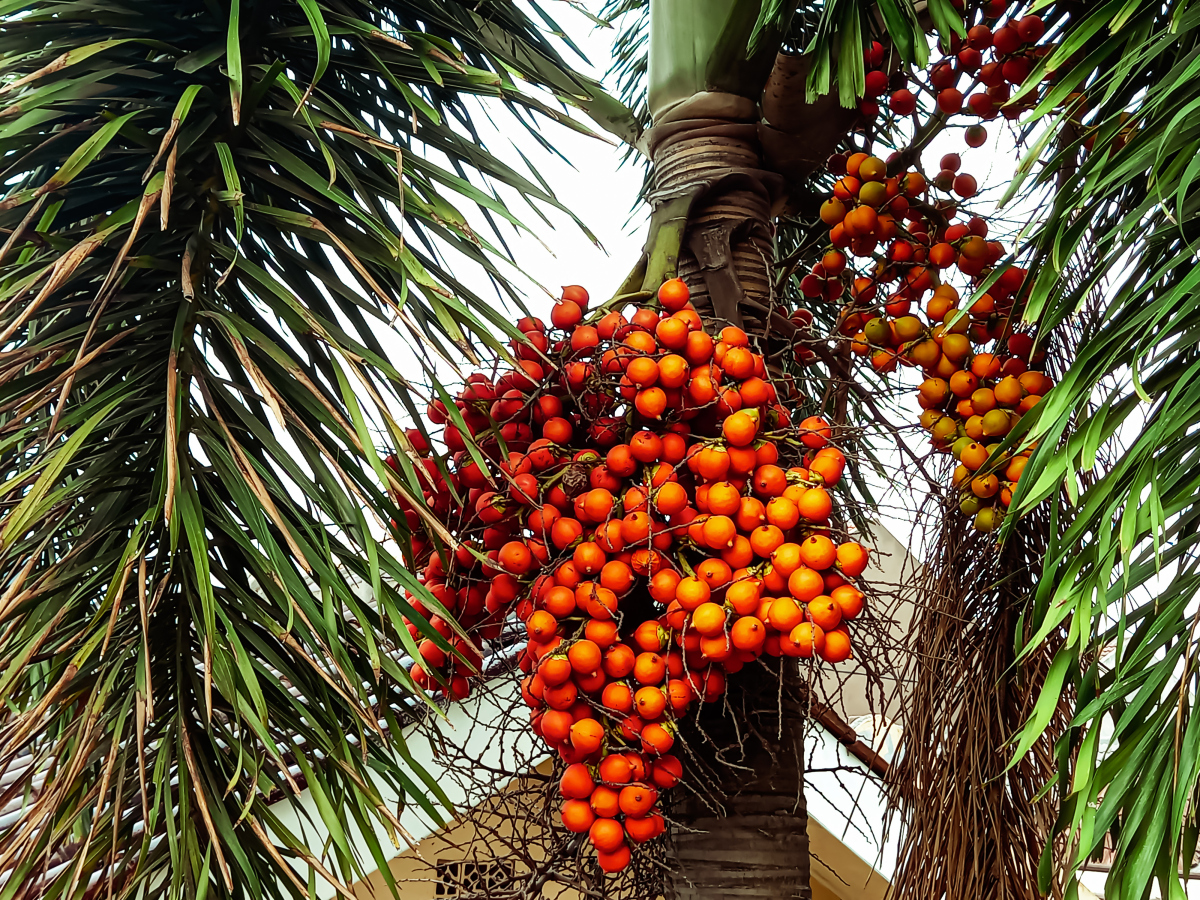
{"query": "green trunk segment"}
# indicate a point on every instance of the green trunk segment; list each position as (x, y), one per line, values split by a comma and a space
(701, 45)
(742, 60)
(668, 223)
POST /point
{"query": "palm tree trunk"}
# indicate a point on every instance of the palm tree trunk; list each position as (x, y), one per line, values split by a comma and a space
(714, 200)
(743, 833)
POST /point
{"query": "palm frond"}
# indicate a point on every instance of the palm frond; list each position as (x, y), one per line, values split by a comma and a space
(220, 221)
(1115, 258)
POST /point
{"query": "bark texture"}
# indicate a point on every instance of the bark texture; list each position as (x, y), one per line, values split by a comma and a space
(715, 201)
(741, 833)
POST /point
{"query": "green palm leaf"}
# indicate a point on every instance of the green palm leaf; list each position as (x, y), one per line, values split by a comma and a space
(218, 221)
(1115, 264)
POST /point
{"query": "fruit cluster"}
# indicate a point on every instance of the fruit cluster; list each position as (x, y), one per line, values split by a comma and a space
(978, 380)
(991, 62)
(638, 495)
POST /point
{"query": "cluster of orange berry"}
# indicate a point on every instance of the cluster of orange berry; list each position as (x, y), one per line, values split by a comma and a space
(978, 380)
(639, 498)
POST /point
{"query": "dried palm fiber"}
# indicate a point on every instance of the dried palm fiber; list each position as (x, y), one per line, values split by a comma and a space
(971, 826)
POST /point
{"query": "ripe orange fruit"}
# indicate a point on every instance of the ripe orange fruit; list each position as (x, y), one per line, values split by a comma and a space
(852, 558)
(756, 392)
(716, 573)
(614, 861)
(712, 463)
(598, 504)
(672, 333)
(816, 505)
(770, 481)
(541, 626)
(643, 372)
(635, 528)
(637, 799)
(673, 294)
(576, 783)
(723, 498)
(646, 447)
(985, 486)
(649, 668)
(748, 633)
(708, 619)
(679, 695)
(515, 557)
(785, 614)
(837, 645)
(607, 834)
(617, 576)
(808, 639)
(664, 584)
(765, 539)
(973, 456)
(742, 460)
(985, 365)
(650, 702)
(577, 815)
(829, 463)
(719, 532)
(656, 739)
(584, 656)
(554, 670)
(738, 362)
(740, 428)
(559, 601)
(818, 552)
(651, 402)
(602, 632)
(699, 348)
(849, 600)
(983, 401)
(1015, 468)
(785, 560)
(1009, 391)
(615, 768)
(751, 513)
(670, 498)
(645, 828)
(782, 513)
(815, 432)
(617, 696)
(619, 661)
(692, 592)
(805, 584)
(589, 559)
(586, 736)
(743, 595)
(825, 613)
(963, 384)
(666, 772)
(561, 697)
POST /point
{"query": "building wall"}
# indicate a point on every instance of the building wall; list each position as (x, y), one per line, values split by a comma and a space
(481, 838)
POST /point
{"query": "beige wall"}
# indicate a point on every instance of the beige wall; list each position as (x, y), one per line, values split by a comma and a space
(837, 874)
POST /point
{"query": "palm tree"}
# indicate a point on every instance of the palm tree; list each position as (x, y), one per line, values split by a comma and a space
(217, 216)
